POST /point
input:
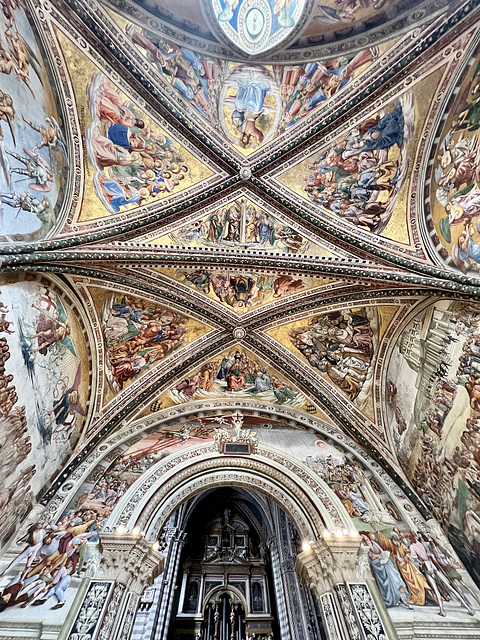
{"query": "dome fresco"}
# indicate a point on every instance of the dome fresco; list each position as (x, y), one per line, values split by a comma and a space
(239, 261)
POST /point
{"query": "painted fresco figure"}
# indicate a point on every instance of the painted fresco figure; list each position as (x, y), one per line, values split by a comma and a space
(215, 228)
(265, 229)
(34, 540)
(232, 224)
(68, 405)
(51, 136)
(249, 103)
(419, 550)
(236, 377)
(59, 585)
(242, 287)
(263, 381)
(25, 202)
(36, 167)
(415, 581)
(49, 331)
(390, 583)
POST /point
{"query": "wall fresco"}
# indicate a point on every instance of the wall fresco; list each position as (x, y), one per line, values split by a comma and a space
(132, 161)
(395, 549)
(454, 196)
(342, 14)
(398, 554)
(33, 149)
(44, 382)
(432, 404)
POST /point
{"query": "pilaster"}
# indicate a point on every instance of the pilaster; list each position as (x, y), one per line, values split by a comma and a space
(127, 565)
(330, 568)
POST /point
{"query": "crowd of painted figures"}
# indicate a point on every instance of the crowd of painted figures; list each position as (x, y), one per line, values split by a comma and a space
(340, 345)
(241, 291)
(358, 178)
(447, 477)
(52, 554)
(347, 11)
(457, 177)
(15, 443)
(235, 372)
(409, 567)
(412, 568)
(346, 481)
(135, 162)
(138, 334)
(240, 223)
(56, 552)
(200, 79)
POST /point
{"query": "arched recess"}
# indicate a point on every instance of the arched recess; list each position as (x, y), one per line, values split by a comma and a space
(85, 480)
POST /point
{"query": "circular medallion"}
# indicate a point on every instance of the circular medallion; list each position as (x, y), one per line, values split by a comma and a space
(254, 24)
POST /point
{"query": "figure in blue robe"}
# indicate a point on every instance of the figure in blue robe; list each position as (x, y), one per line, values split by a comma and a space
(249, 100)
(389, 129)
(117, 195)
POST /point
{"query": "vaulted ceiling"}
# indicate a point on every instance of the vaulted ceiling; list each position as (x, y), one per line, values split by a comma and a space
(217, 206)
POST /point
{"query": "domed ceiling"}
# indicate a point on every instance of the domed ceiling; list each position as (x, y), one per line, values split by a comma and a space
(242, 202)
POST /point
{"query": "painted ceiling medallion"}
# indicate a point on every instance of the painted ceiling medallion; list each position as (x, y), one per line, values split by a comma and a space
(256, 26)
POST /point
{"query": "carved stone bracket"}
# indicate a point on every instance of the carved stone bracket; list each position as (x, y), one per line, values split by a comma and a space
(328, 563)
(130, 560)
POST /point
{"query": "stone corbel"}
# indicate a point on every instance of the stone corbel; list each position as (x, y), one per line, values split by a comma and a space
(130, 560)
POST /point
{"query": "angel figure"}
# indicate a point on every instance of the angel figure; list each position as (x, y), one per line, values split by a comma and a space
(227, 13)
(35, 167)
(7, 113)
(68, 405)
(51, 330)
(283, 9)
(51, 136)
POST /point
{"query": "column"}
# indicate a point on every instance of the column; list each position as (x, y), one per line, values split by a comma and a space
(351, 605)
(153, 614)
(106, 604)
(283, 619)
(175, 539)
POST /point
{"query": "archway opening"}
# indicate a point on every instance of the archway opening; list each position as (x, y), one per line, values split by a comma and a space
(235, 578)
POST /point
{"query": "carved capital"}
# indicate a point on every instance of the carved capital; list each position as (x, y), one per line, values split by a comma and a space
(130, 560)
(328, 563)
